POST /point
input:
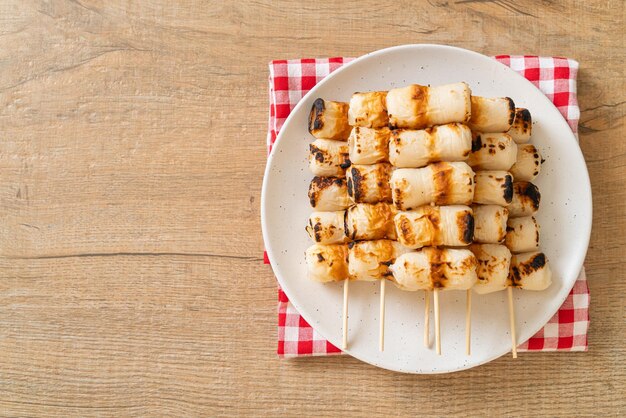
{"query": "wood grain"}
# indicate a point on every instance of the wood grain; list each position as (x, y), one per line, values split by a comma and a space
(131, 159)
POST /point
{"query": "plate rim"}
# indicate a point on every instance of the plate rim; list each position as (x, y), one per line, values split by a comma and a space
(585, 238)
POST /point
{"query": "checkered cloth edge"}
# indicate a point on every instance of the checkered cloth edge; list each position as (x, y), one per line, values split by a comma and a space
(290, 80)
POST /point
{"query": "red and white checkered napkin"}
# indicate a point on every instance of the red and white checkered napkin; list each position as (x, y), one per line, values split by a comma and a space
(290, 80)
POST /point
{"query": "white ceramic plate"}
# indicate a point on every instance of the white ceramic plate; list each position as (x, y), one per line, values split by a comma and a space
(564, 215)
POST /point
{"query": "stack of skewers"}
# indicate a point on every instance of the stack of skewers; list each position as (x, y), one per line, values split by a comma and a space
(504, 221)
(393, 188)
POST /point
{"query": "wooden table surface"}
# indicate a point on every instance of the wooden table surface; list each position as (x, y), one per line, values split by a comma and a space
(132, 149)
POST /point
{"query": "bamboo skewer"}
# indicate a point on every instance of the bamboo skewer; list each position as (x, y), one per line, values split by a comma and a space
(437, 333)
(346, 287)
(468, 322)
(512, 318)
(381, 342)
(426, 319)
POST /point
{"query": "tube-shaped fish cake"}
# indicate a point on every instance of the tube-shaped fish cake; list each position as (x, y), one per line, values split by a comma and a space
(369, 183)
(430, 268)
(439, 183)
(493, 188)
(327, 227)
(418, 107)
(522, 234)
(328, 158)
(327, 263)
(527, 164)
(370, 260)
(522, 126)
(496, 151)
(492, 114)
(411, 271)
(526, 199)
(435, 225)
(368, 146)
(329, 120)
(530, 271)
(329, 193)
(368, 110)
(494, 261)
(417, 148)
(490, 223)
(370, 221)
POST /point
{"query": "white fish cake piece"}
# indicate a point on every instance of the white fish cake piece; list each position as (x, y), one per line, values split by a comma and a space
(328, 158)
(522, 126)
(370, 260)
(327, 263)
(329, 120)
(440, 183)
(430, 268)
(494, 151)
(419, 107)
(530, 271)
(527, 164)
(327, 227)
(369, 183)
(329, 193)
(435, 225)
(411, 271)
(494, 261)
(525, 201)
(417, 148)
(522, 234)
(492, 114)
(369, 221)
(493, 188)
(368, 110)
(369, 146)
(490, 223)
